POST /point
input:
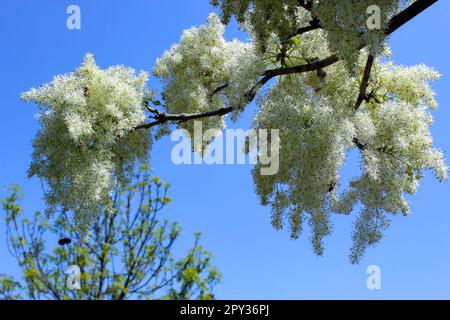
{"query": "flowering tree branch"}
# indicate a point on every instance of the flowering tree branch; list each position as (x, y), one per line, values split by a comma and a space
(394, 24)
(83, 146)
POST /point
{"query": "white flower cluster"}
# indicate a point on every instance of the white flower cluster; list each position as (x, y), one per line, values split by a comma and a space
(202, 62)
(314, 134)
(344, 22)
(318, 125)
(85, 141)
(315, 111)
(397, 152)
(265, 17)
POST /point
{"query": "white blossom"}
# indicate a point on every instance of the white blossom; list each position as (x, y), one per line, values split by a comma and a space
(86, 139)
(203, 61)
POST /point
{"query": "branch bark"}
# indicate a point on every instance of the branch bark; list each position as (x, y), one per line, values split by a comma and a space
(408, 14)
(365, 82)
(162, 118)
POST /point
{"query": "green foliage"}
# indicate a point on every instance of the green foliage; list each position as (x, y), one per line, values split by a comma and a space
(126, 254)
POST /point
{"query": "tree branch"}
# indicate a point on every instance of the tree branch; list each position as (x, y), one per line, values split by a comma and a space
(395, 23)
(314, 25)
(408, 14)
(162, 118)
(222, 87)
(365, 82)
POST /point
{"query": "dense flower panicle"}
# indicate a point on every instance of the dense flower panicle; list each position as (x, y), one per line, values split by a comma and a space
(265, 17)
(409, 84)
(85, 142)
(318, 126)
(202, 62)
(344, 22)
(314, 136)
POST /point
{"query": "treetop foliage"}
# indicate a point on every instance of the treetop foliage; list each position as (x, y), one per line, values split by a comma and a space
(125, 254)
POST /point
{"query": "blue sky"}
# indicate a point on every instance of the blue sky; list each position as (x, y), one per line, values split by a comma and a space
(256, 261)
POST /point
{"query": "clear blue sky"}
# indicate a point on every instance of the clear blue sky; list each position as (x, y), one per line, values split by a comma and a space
(219, 201)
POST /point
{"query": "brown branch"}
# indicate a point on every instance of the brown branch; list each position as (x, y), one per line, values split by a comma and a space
(222, 87)
(313, 66)
(162, 118)
(314, 24)
(361, 146)
(395, 23)
(408, 14)
(365, 82)
(269, 74)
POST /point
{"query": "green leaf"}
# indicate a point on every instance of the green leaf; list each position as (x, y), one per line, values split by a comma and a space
(295, 41)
